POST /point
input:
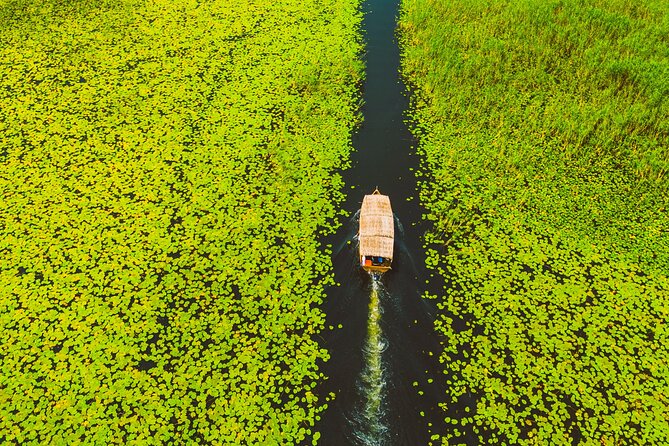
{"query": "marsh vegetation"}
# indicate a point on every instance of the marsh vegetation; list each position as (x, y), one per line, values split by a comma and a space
(166, 171)
(543, 129)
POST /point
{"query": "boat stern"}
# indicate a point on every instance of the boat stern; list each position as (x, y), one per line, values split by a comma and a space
(375, 264)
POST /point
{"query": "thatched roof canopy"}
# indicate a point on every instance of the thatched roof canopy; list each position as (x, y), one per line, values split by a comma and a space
(377, 230)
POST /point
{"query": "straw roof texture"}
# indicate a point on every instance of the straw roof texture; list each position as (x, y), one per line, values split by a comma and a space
(377, 229)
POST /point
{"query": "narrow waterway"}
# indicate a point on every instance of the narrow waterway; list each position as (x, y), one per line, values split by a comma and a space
(383, 370)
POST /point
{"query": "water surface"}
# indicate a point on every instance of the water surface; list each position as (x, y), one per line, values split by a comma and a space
(386, 350)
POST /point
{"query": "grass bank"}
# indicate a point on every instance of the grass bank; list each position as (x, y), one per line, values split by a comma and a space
(166, 169)
(544, 132)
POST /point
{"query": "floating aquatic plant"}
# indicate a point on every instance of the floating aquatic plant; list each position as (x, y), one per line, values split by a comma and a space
(544, 142)
(166, 169)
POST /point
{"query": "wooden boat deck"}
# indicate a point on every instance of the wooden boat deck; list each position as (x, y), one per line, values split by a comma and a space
(377, 233)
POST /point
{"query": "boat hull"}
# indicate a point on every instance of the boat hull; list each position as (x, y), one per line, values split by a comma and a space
(376, 234)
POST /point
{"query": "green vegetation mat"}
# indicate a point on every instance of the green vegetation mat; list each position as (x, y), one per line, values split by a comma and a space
(166, 169)
(544, 130)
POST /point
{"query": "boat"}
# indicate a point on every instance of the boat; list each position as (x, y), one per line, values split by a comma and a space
(376, 234)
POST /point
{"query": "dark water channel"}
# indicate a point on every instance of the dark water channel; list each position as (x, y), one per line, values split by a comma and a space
(405, 342)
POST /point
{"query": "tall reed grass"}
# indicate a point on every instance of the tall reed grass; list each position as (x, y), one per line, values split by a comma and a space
(544, 130)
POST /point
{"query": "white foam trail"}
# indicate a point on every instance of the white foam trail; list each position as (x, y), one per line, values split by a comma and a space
(372, 429)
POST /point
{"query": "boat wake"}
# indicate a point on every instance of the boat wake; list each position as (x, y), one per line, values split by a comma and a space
(383, 345)
(369, 420)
